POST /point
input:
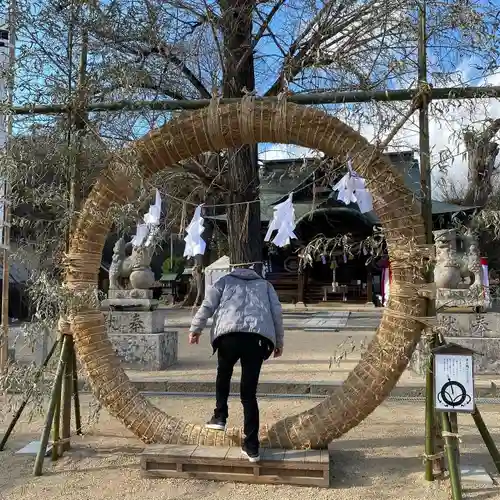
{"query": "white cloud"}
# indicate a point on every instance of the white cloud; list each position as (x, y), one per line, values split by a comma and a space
(448, 119)
(269, 152)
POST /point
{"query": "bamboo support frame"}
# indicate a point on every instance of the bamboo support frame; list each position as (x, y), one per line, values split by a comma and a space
(452, 452)
(21, 408)
(429, 414)
(488, 440)
(453, 416)
(56, 422)
(55, 399)
(76, 397)
(66, 393)
(426, 205)
(4, 338)
(312, 98)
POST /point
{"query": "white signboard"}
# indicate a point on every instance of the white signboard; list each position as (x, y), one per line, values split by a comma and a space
(454, 383)
(216, 270)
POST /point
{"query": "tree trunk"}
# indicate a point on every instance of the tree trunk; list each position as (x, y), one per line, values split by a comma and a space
(243, 219)
(196, 292)
(482, 152)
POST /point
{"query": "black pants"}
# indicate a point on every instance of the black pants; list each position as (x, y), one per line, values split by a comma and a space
(251, 350)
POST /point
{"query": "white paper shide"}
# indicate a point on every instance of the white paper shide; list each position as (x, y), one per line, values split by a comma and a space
(352, 189)
(283, 222)
(195, 244)
(146, 230)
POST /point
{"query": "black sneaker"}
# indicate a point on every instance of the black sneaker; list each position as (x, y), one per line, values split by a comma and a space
(253, 456)
(217, 424)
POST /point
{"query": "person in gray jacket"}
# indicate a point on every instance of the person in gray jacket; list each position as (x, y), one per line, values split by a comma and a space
(247, 326)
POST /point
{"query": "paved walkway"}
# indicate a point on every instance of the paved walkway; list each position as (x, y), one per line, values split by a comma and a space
(313, 362)
(299, 319)
(308, 356)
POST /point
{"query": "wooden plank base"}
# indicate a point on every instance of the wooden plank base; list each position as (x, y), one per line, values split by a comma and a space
(298, 467)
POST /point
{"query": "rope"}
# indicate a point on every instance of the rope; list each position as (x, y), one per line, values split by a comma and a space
(184, 202)
(246, 117)
(433, 457)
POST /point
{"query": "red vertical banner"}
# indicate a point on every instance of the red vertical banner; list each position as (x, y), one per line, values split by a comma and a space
(486, 282)
(386, 283)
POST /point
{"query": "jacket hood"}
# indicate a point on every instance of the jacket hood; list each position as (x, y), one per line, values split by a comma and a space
(245, 274)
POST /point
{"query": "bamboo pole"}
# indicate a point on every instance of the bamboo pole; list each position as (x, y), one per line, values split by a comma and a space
(424, 139)
(485, 434)
(5, 243)
(453, 416)
(452, 451)
(20, 410)
(312, 98)
(49, 419)
(76, 397)
(56, 423)
(425, 173)
(78, 120)
(67, 392)
(56, 419)
(429, 414)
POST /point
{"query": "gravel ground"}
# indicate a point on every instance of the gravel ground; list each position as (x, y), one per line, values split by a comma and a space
(380, 459)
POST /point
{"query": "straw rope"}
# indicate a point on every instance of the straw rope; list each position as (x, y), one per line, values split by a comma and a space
(215, 128)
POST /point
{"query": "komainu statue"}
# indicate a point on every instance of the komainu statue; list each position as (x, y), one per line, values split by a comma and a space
(131, 271)
(458, 275)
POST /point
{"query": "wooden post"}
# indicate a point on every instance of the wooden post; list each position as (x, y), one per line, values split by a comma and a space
(300, 286)
(306, 283)
(369, 285)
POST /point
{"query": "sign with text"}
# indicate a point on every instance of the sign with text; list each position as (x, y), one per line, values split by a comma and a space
(454, 382)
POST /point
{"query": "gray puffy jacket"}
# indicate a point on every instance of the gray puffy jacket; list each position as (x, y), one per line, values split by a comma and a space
(241, 301)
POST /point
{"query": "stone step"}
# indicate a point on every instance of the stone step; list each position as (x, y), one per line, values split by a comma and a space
(483, 389)
(277, 466)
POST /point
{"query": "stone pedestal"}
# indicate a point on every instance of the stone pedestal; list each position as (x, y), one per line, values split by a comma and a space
(480, 332)
(470, 298)
(128, 300)
(140, 340)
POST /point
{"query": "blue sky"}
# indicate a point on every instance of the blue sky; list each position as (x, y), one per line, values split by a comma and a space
(442, 136)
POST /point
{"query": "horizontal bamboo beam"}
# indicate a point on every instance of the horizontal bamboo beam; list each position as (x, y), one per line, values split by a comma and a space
(307, 98)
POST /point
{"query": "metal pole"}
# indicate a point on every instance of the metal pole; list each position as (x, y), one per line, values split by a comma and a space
(306, 98)
(5, 243)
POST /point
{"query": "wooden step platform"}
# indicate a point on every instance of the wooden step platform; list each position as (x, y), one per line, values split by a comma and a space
(304, 467)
